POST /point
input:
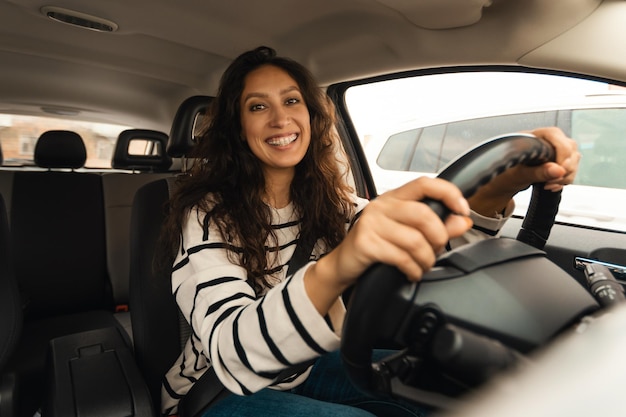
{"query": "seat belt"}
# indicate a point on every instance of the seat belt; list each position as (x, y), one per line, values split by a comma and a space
(301, 255)
(208, 390)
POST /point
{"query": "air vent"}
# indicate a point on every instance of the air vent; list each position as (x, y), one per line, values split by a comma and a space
(82, 20)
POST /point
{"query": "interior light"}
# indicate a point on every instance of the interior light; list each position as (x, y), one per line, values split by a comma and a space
(82, 20)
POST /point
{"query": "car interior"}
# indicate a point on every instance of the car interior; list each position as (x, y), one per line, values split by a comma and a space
(88, 327)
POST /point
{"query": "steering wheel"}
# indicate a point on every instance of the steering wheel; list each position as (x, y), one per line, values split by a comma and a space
(478, 310)
(486, 161)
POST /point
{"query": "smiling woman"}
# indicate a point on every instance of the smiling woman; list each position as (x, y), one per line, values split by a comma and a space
(266, 185)
(152, 66)
(275, 124)
(270, 178)
(268, 181)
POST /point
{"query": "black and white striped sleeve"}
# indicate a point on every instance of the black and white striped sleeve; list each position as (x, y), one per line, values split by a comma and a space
(249, 340)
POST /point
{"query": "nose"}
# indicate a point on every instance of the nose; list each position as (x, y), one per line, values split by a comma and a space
(280, 117)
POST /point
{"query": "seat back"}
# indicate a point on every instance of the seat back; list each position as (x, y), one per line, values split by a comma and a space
(154, 313)
(141, 153)
(58, 234)
(10, 317)
(158, 331)
(59, 252)
(10, 303)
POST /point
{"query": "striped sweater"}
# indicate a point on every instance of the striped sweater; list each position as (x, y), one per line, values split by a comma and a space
(247, 338)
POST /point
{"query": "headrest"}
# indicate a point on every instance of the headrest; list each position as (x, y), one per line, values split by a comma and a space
(131, 148)
(185, 125)
(60, 149)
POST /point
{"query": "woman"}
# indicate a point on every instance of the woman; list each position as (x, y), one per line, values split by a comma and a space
(265, 177)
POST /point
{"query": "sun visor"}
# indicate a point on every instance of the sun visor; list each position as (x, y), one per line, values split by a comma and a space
(439, 14)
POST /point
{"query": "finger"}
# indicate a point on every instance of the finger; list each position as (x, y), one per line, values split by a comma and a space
(553, 187)
(571, 165)
(435, 188)
(421, 219)
(552, 172)
(563, 145)
(406, 248)
(397, 220)
(410, 227)
(407, 264)
(423, 247)
(522, 176)
(412, 254)
(564, 174)
(457, 225)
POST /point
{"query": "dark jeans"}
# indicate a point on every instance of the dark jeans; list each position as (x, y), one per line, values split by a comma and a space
(326, 393)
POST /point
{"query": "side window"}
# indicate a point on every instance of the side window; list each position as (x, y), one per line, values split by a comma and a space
(398, 150)
(427, 155)
(430, 148)
(601, 137)
(416, 150)
(463, 135)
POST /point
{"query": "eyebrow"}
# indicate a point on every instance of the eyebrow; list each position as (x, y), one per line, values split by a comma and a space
(264, 95)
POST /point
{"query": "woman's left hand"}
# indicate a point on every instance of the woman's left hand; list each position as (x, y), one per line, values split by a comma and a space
(496, 196)
(563, 170)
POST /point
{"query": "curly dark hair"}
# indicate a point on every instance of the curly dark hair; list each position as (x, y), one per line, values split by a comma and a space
(226, 169)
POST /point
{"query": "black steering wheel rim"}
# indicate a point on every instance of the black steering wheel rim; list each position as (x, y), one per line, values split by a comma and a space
(469, 172)
(489, 159)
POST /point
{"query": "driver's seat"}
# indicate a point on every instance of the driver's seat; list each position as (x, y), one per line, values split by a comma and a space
(159, 331)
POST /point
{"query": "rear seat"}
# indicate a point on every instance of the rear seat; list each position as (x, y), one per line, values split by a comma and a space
(10, 317)
(57, 220)
(57, 227)
(118, 191)
(70, 243)
(6, 188)
(70, 238)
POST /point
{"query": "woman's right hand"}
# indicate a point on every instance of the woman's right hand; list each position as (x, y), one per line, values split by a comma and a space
(395, 229)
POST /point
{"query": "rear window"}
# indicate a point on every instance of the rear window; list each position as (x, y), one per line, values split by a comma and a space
(19, 134)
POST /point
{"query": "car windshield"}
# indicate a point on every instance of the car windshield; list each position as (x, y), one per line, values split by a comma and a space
(19, 134)
(414, 126)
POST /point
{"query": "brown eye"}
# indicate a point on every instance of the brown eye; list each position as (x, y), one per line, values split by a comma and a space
(257, 107)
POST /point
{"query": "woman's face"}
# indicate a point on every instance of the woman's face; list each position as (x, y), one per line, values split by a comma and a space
(274, 118)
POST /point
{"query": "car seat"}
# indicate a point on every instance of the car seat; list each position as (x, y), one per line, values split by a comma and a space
(132, 169)
(159, 332)
(59, 251)
(10, 317)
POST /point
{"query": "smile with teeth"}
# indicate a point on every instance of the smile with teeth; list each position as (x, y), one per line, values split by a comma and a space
(282, 141)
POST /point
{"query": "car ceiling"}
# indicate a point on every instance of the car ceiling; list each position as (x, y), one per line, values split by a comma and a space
(164, 51)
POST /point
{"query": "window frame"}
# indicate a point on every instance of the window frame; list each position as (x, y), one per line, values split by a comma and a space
(357, 154)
